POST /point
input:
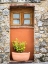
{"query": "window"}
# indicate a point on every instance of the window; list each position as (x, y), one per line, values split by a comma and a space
(22, 16)
(16, 18)
(27, 18)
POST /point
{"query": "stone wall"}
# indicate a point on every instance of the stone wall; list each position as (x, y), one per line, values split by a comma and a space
(4, 33)
(4, 1)
(40, 31)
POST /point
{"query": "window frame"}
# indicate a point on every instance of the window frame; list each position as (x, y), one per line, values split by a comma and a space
(28, 18)
(22, 17)
(13, 18)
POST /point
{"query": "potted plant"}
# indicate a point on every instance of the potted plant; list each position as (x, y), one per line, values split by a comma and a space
(20, 55)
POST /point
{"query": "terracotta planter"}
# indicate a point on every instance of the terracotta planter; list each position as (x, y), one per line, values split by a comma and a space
(20, 56)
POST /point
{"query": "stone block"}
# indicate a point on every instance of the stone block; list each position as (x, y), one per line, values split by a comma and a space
(35, 21)
(6, 28)
(0, 29)
(6, 58)
(6, 0)
(46, 22)
(40, 23)
(37, 45)
(38, 55)
(36, 28)
(2, 45)
(41, 28)
(4, 33)
(37, 35)
(5, 62)
(38, 15)
(41, 32)
(14, 0)
(0, 12)
(46, 39)
(46, 59)
(42, 9)
(46, 29)
(43, 43)
(41, 39)
(44, 35)
(1, 55)
(46, 15)
(37, 49)
(7, 49)
(43, 50)
(2, 0)
(37, 1)
(36, 8)
(5, 12)
(7, 18)
(36, 61)
(7, 41)
(0, 39)
(46, 54)
(1, 60)
(2, 7)
(1, 18)
(2, 25)
(1, 49)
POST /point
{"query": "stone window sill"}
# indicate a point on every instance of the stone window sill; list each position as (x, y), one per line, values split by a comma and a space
(21, 27)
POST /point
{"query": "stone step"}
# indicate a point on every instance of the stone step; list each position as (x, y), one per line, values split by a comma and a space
(19, 63)
(27, 63)
(15, 62)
